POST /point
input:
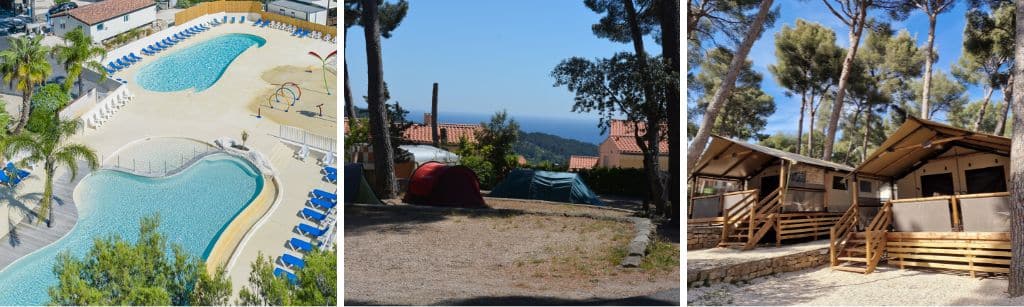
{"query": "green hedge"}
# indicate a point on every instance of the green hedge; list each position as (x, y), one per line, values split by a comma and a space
(616, 181)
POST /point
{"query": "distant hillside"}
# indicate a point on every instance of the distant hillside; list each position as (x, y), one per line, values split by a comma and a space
(537, 147)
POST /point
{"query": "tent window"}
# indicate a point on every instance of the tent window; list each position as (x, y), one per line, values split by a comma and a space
(865, 186)
(985, 180)
(799, 177)
(838, 183)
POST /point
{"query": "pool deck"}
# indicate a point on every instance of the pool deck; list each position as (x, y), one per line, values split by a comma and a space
(28, 235)
(222, 110)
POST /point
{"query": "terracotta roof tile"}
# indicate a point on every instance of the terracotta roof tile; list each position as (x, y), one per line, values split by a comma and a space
(105, 10)
(582, 162)
(421, 134)
(621, 133)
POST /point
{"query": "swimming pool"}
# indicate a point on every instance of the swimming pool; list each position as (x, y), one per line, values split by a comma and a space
(197, 67)
(195, 205)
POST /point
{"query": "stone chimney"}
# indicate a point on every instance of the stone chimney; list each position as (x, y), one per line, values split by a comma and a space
(427, 119)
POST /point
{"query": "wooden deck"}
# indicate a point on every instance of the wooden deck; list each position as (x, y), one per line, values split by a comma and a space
(29, 236)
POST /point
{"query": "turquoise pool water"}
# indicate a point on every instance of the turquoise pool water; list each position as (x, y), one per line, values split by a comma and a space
(194, 206)
(197, 67)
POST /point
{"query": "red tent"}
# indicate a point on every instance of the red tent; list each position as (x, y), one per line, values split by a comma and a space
(437, 184)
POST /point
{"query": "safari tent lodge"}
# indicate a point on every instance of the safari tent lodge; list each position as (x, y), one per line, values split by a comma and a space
(752, 190)
(948, 208)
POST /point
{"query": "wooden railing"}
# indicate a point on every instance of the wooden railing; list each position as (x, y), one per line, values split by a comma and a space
(795, 225)
(735, 213)
(254, 7)
(875, 236)
(966, 251)
(762, 217)
(839, 234)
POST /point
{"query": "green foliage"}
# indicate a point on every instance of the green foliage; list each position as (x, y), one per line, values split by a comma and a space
(389, 16)
(749, 106)
(498, 136)
(61, 1)
(709, 20)
(358, 133)
(46, 103)
(947, 95)
(539, 147)
(24, 64)
(118, 272)
(616, 181)
(781, 141)
(966, 117)
(807, 58)
(77, 55)
(474, 156)
(317, 282)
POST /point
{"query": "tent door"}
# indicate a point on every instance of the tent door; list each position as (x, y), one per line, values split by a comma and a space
(936, 185)
(768, 184)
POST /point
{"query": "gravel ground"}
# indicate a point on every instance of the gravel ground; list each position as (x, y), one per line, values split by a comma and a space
(886, 286)
(540, 206)
(721, 256)
(417, 258)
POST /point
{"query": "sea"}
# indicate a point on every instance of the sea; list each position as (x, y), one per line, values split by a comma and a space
(582, 129)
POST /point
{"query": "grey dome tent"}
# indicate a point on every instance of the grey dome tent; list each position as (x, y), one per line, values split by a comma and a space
(551, 186)
(357, 190)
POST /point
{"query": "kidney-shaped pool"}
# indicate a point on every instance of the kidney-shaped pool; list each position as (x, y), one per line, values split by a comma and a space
(197, 67)
(194, 205)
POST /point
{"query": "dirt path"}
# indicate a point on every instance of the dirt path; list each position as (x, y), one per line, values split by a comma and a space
(410, 257)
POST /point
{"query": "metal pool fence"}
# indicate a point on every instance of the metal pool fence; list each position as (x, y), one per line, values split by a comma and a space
(160, 166)
(299, 136)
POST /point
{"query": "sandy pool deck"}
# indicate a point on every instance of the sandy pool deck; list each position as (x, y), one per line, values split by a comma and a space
(224, 110)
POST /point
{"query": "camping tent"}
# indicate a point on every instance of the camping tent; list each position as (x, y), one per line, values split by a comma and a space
(357, 190)
(426, 153)
(552, 186)
(434, 183)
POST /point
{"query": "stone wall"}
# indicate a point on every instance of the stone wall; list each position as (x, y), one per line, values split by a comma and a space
(745, 271)
(701, 237)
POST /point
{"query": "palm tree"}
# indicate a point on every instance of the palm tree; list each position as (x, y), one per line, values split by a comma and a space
(77, 54)
(53, 149)
(24, 65)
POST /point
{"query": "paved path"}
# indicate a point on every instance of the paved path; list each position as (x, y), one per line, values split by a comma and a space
(28, 235)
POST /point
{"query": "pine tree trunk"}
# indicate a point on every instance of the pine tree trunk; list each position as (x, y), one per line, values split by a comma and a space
(669, 22)
(384, 160)
(837, 103)
(718, 101)
(864, 140)
(849, 149)
(652, 113)
(800, 124)
(810, 130)
(929, 55)
(984, 106)
(1007, 100)
(350, 109)
(1016, 278)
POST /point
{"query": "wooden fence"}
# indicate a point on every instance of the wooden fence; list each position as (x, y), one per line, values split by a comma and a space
(253, 7)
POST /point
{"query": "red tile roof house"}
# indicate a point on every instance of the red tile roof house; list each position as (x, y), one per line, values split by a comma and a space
(620, 149)
(106, 19)
(449, 135)
(582, 162)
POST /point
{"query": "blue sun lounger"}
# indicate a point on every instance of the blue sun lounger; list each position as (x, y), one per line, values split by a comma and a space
(285, 274)
(332, 177)
(298, 244)
(257, 22)
(241, 19)
(312, 231)
(324, 204)
(330, 169)
(328, 196)
(232, 19)
(292, 261)
(7, 179)
(128, 60)
(265, 24)
(313, 215)
(121, 63)
(109, 71)
(133, 56)
(225, 20)
(21, 173)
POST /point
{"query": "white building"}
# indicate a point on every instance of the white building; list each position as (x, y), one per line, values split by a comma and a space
(314, 11)
(106, 19)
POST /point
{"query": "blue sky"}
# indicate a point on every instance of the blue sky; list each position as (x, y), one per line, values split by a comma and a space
(486, 55)
(948, 44)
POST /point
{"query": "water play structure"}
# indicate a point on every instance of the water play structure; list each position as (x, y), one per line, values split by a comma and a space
(286, 95)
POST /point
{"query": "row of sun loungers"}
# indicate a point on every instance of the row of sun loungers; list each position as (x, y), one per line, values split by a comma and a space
(172, 40)
(330, 173)
(122, 63)
(105, 112)
(325, 202)
(296, 31)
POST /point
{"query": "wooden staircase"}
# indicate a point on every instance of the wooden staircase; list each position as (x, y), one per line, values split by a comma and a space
(749, 220)
(859, 252)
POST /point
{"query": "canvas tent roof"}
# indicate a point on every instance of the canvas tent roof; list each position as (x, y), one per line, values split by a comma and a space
(919, 140)
(737, 159)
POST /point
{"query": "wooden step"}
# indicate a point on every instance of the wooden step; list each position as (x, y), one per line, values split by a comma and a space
(858, 241)
(853, 259)
(738, 236)
(850, 269)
